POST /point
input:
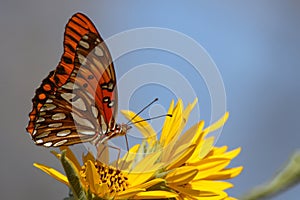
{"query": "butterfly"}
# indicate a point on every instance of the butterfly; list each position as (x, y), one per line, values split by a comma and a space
(77, 102)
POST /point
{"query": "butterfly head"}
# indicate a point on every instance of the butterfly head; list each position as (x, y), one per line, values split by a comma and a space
(122, 129)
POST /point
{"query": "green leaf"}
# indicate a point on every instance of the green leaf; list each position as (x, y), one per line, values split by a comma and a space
(73, 177)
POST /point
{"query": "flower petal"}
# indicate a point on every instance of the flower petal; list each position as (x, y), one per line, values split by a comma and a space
(225, 174)
(210, 185)
(218, 124)
(126, 194)
(203, 147)
(186, 191)
(88, 156)
(181, 175)
(171, 123)
(181, 157)
(52, 172)
(137, 178)
(128, 159)
(144, 127)
(150, 183)
(217, 151)
(158, 194)
(190, 134)
(92, 176)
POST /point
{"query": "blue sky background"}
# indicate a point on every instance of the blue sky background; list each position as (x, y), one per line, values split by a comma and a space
(255, 45)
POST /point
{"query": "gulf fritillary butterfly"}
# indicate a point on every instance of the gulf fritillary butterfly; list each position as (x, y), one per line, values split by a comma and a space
(77, 101)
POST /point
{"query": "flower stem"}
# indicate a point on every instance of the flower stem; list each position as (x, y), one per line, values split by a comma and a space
(288, 177)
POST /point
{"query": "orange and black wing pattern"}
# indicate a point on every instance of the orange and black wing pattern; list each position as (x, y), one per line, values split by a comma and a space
(77, 101)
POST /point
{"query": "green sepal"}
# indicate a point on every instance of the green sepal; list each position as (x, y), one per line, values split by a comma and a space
(73, 177)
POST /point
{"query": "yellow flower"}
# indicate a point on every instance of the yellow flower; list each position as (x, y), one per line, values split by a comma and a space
(175, 166)
(192, 167)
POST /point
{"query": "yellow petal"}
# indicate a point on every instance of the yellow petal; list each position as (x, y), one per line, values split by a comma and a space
(181, 156)
(169, 123)
(180, 121)
(217, 151)
(210, 185)
(204, 195)
(92, 177)
(149, 184)
(203, 147)
(190, 134)
(188, 109)
(226, 174)
(137, 178)
(218, 124)
(101, 189)
(229, 198)
(127, 160)
(145, 169)
(232, 154)
(186, 191)
(210, 166)
(88, 156)
(206, 146)
(128, 193)
(181, 175)
(170, 137)
(147, 163)
(52, 172)
(158, 194)
(144, 127)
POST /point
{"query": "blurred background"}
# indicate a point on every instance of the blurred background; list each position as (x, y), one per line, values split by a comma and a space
(255, 45)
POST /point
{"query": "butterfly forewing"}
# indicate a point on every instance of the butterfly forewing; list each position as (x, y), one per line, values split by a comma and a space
(77, 101)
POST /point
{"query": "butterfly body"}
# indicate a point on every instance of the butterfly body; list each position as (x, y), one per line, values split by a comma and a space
(77, 102)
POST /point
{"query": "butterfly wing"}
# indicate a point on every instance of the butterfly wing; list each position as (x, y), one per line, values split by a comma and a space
(76, 102)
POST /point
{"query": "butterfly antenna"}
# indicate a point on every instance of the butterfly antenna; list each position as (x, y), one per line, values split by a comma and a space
(166, 115)
(156, 99)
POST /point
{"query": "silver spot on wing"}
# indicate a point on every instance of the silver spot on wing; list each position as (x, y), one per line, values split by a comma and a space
(49, 101)
(55, 125)
(86, 132)
(79, 103)
(98, 51)
(111, 104)
(40, 119)
(58, 116)
(68, 96)
(60, 143)
(47, 106)
(42, 113)
(95, 111)
(82, 121)
(103, 125)
(48, 144)
(43, 134)
(82, 59)
(63, 133)
(39, 141)
(69, 86)
(84, 44)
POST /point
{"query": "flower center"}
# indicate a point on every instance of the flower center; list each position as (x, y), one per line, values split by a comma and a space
(110, 176)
